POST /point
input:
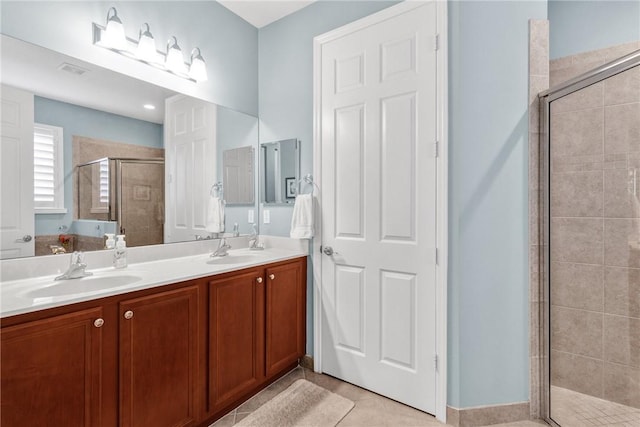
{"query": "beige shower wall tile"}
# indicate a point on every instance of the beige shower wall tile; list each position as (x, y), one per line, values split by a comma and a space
(559, 74)
(619, 198)
(576, 194)
(576, 331)
(622, 291)
(577, 240)
(622, 340)
(623, 88)
(622, 384)
(539, 47)
(622, 242)
(578, 373)
(622, 128)
(577, 133)
(621, 50)
(589, 97)
(577, 286)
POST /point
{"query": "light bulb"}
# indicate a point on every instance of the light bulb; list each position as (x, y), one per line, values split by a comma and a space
(198, 69)
(146, 50)
(174, 61)
(114, 36)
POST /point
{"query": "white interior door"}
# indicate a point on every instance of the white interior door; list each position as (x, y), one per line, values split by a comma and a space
(190, 161)
(378, 139)
(16, 174)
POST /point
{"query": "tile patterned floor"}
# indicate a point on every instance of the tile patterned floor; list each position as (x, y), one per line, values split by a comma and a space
(370, 410)
(573, 409)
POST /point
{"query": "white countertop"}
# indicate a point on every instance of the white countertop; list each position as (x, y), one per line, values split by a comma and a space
(38, 293)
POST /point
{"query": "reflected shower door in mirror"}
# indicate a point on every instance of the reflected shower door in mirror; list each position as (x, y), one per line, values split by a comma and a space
(280, 172)
(98, 109)
(129, 192)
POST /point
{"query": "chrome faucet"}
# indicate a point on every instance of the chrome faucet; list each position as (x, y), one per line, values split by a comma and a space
(223, 247)
(76, 268)
(253, 240)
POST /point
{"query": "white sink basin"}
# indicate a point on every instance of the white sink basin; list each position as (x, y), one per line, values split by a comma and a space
(83, 285)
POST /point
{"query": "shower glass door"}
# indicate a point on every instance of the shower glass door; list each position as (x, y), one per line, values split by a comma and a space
(594, 254)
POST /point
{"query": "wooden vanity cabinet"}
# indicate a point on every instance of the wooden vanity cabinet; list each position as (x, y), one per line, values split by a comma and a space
(285, 314)
(257, 329)
(178, 355)
(236, 336)
(51, 371)
(159, 359)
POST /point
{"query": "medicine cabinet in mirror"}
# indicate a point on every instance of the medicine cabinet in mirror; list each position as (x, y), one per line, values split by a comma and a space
(237, 178)
(280, 171)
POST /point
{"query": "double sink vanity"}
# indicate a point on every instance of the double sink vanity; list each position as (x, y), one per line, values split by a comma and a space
(171, 340)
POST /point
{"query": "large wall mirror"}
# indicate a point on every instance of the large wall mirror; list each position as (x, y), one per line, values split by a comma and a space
(100, 114)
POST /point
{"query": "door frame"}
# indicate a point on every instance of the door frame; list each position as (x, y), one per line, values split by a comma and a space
(441, 189)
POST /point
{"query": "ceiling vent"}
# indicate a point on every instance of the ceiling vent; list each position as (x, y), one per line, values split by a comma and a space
(73, 69)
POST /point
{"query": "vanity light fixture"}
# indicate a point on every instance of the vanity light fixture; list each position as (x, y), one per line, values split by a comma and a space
(198, 69)
(174, 61)
(112, 36)
(146, 50)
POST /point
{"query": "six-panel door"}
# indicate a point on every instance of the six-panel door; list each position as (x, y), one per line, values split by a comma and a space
(159, 359)
(51, 371)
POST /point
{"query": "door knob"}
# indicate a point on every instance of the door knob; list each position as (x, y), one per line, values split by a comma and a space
(128, 314)
(328, 250)
(25, 239)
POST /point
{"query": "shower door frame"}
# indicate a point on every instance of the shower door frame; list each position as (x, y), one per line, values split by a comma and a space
(546, 98)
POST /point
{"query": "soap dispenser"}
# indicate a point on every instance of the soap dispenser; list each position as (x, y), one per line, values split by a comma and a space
(120, 254)
(110, 242)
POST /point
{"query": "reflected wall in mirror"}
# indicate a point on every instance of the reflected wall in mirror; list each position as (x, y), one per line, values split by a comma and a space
(237, 180)
(89, 104)
(280, 171)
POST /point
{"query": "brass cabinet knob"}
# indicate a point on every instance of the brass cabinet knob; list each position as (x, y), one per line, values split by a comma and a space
(272, 276)
(128, 314)
(259, 280)
(98, 322)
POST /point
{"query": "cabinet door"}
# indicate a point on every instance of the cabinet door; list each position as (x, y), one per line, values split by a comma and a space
(236, 336)
(159, 359)
(50, 371)
(285, 315)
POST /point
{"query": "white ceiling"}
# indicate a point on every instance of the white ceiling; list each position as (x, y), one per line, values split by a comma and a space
(260, 13)
(36, 69)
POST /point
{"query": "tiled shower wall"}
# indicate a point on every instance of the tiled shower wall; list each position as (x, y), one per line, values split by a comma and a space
(595, 231)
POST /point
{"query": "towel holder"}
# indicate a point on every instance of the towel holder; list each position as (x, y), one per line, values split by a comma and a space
(308, 179)
(216, 190)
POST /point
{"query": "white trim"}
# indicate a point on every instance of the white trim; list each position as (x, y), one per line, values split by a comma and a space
(45, 211)
(442, 202)
(442, 189)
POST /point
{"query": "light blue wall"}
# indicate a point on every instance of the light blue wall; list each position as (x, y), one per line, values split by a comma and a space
(581, 26)
(488, 208)
(228, 44)
(81, 121)
(286, 93)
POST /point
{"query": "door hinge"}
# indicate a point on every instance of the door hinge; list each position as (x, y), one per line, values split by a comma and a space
(437, 256)
(435, 362)
(437, 42)
(436, 149)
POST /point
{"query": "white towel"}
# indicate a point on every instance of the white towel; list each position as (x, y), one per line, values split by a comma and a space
(215, 215)
(302, 220)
